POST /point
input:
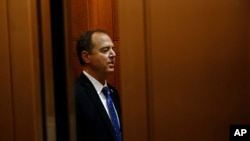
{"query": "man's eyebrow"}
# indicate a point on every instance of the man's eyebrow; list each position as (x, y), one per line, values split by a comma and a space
(108, 47)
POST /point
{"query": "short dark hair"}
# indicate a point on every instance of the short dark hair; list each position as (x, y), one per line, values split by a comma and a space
(84, 43)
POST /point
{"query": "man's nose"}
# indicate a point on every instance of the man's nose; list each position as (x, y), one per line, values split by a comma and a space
(112, 53)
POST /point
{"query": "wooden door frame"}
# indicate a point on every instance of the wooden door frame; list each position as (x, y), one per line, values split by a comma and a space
(135, 88)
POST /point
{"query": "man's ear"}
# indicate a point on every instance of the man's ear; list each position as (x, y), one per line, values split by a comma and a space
(85, 56)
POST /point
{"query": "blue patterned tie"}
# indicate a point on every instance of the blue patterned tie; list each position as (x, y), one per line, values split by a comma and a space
(112, 113)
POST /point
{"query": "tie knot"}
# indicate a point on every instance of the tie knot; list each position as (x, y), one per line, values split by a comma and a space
(105, 91)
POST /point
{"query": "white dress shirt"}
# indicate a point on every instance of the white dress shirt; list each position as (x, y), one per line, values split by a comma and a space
(98, 87)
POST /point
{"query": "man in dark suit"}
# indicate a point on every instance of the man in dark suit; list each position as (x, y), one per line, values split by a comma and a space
(98, 116)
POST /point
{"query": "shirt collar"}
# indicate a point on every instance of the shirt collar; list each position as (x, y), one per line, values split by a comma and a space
(98, 86)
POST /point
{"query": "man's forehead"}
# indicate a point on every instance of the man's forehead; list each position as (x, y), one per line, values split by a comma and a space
(99, 38)
(99, 35)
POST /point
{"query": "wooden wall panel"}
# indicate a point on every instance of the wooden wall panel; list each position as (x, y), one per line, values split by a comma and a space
(80, 22)
(80, 17)
(115, 20)
(133, 74)
(47, 76)
(6, 105)
(192, 56)
(70, 72)
(23, 38)
(105, 16)
(248, 64)
(200, 57)
(93, 14)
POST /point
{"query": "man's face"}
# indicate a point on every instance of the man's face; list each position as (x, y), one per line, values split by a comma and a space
(102, 57)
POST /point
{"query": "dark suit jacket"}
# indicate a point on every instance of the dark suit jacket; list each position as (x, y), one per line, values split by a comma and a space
(92, 120)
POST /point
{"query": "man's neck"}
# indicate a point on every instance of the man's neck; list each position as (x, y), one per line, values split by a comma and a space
(97, 76)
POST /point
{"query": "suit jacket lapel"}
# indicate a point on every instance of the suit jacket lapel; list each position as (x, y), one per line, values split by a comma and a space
(91, 92)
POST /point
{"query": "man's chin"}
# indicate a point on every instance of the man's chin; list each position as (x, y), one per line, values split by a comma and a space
(110, 71)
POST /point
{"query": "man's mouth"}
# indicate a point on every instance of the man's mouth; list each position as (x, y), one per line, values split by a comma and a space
(111, 64)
